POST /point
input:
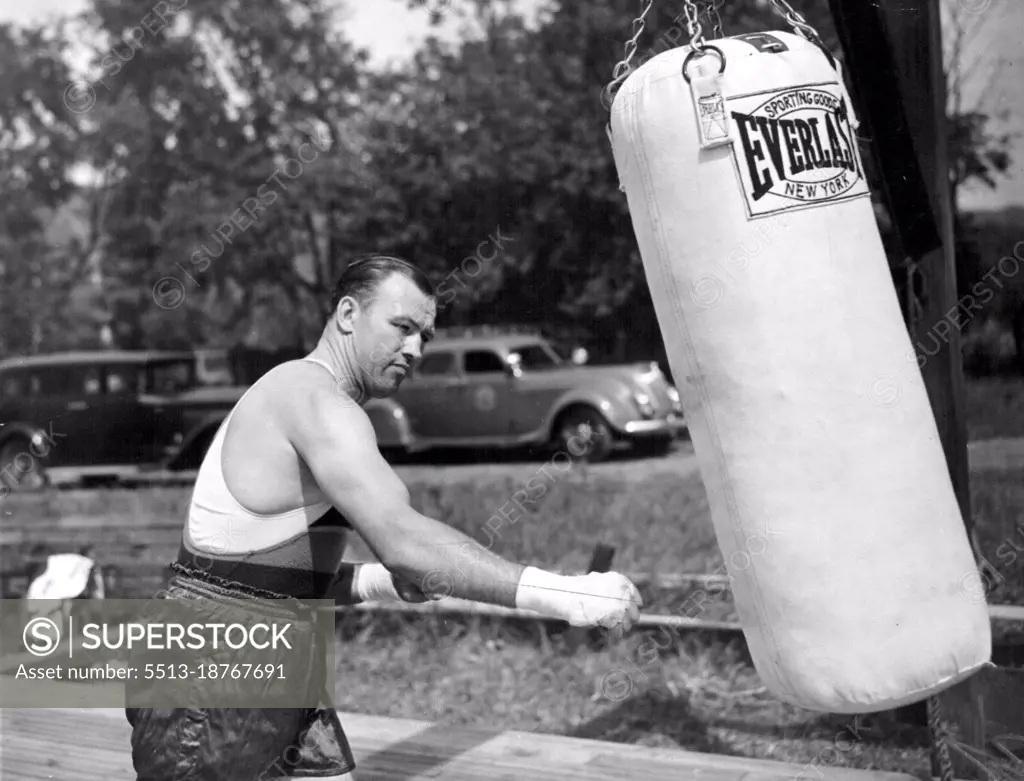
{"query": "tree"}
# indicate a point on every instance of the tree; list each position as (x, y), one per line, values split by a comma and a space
(215, 127)
(38, 147)
(978, 152)
(508, 128)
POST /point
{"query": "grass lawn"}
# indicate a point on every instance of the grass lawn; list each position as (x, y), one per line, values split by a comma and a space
(994, 407)
(699, 695)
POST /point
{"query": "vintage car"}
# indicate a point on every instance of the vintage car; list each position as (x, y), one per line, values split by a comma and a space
(75, 416)
(508, 390)
(104, 415)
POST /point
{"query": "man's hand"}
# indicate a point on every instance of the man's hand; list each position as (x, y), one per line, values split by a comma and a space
(607, 599)
(407, 591)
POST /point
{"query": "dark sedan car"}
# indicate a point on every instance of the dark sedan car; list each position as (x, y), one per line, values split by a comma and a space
(71, 416)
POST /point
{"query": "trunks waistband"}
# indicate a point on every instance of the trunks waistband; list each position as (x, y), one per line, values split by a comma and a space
(263, 580)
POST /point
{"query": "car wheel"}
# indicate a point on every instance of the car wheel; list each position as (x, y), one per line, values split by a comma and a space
(585, 435)
(21, 470)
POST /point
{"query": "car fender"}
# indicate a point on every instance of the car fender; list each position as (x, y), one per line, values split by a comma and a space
(611, 398)
(391, 423)
(37, 435)
(206, 425)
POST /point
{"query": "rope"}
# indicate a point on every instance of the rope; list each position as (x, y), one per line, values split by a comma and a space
(938, 730)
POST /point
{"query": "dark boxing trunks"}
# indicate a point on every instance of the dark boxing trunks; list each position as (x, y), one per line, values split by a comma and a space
(234, 744)
(237, 744)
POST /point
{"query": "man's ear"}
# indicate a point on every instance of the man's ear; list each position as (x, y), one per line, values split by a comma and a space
(346, 314)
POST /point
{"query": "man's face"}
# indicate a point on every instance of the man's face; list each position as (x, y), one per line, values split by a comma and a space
(390, 331)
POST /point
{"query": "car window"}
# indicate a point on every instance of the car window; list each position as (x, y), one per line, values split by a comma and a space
(122, 379)
(535, 356)
(89, 380)
(12, 385)
(170, 376)
(483, 362)
(436, 363)
(54, 381)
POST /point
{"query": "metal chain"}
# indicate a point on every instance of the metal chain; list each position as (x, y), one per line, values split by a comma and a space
(798, 23)
(622, 69)
(939, 731)
(716, 18)
(694, 27)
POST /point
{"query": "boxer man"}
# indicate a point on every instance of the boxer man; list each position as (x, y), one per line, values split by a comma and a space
(291, 469)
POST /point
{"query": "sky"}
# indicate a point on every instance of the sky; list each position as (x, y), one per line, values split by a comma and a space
(389, 30)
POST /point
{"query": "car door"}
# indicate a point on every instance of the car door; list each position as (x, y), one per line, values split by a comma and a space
(538, 386)
(96, 416)
(484, 399)
(427, 397)
(130, 425)
(13, 394)
(68, 399)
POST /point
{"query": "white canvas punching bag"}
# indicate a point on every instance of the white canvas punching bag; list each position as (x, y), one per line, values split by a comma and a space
(828, 485)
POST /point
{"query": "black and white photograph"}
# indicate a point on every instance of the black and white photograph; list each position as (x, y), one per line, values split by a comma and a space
(511, 390)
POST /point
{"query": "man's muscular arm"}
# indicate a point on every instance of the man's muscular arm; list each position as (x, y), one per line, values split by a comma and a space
(338, 443)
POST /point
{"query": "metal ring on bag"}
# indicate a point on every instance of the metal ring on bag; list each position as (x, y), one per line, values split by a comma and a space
(608, 93)
(701, 53)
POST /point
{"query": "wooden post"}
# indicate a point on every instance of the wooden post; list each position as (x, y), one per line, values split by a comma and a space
(905, 36)
(912, 47)
(915, 36)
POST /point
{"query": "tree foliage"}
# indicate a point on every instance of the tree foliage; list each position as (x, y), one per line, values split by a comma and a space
(220, 160)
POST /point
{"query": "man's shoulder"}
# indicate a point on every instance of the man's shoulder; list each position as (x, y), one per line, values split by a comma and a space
(297, 378)
(307, 393)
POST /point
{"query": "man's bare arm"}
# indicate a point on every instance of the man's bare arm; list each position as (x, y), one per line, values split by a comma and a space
(338, 443)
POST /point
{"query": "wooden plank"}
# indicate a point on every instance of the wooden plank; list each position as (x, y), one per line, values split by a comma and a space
(1006, 612)
(454, 606)
(31, 750)
(390, 749)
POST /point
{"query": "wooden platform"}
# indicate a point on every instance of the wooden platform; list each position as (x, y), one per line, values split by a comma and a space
(93, 745)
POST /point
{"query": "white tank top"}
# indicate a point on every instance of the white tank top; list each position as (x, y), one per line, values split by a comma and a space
(219, 524)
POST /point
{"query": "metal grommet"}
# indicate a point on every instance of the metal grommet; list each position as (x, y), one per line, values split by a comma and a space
(701, 53)
(608, 94)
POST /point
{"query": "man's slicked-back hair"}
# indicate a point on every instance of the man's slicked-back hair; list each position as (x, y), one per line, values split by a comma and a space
(365, 273)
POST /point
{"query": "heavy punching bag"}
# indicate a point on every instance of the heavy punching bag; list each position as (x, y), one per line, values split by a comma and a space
(829, 490)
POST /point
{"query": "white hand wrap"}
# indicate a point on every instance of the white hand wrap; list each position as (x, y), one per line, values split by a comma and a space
(373, 583)
(547, 593)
